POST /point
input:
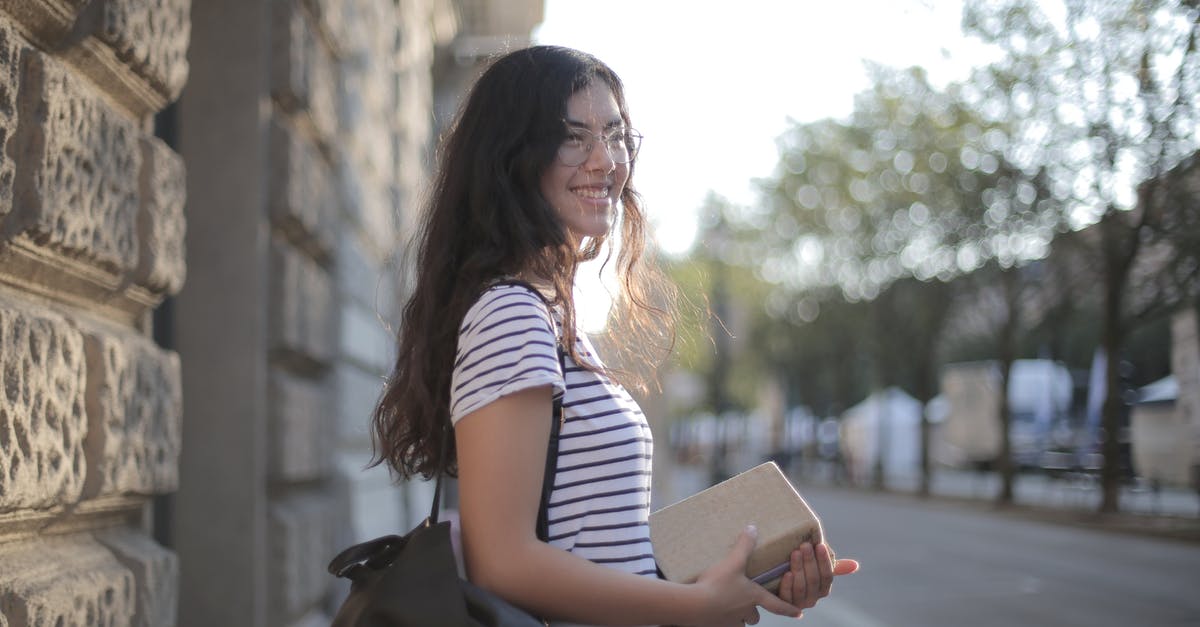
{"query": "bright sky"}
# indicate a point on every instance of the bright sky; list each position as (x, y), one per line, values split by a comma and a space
(700, 71)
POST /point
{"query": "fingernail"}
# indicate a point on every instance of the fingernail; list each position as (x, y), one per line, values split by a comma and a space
(752, 530)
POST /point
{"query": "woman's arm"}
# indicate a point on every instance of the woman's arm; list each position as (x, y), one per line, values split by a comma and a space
(501, 456)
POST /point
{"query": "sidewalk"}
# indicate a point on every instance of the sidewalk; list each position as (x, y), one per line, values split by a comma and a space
(1072, 491)
(1073, 499)
(1170, 513)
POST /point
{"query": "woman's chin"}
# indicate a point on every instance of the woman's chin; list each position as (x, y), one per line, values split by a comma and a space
(593, 229)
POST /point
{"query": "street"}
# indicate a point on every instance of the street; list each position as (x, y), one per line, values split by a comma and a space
(936, 564)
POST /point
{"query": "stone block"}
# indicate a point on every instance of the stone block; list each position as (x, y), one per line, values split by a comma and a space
(77, 183)
(364, 339)
(42, 419)
(11, 48)
(370, 205)
(369, 76)
(155, 573)
(48, 20)
(161, 225)
(361, 279)
(370, 499)
(336, 22)
(304, 73)
(301, 545)
(302, 307)
(151, 36)
(357, 392)
(301, 428)
(134, 407)
(304, 201)
(64, 581)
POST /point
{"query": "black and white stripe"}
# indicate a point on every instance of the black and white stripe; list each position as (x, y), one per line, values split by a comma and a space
(601, 499)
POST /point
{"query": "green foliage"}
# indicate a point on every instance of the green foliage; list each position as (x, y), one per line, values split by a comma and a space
(722, 309)
(1104, 95)
(915, 183)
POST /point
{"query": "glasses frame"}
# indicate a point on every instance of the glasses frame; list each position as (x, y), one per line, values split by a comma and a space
(631, 137)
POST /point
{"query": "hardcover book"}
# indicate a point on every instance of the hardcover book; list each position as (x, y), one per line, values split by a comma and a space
(693, 534)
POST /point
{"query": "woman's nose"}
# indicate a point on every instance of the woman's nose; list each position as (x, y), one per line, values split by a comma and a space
(600, 159)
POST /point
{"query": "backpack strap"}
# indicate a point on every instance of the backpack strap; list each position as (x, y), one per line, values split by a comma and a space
(557, 418)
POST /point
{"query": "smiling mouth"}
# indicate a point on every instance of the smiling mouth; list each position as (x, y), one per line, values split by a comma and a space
(593, 193)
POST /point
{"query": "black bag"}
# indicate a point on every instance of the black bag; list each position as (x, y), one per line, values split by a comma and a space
(412, 580)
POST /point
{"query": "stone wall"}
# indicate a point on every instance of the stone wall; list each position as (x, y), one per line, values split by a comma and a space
(289, 125)
(91, 241)
(193, 452)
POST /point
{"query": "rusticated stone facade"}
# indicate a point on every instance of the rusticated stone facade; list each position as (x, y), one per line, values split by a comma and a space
(91, 241)
(202, 209)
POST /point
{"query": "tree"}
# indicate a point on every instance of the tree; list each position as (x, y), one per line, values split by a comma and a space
(1104, 98)
(910, 315)
(916, 183)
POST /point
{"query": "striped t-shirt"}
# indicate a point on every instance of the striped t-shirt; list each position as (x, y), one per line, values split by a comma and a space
(600, 503)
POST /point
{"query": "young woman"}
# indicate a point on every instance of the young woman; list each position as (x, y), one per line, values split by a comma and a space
(533, 177)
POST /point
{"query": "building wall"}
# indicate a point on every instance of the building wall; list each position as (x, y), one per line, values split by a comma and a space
(193, 452)
(1185, 365)
(302, 125)
(91, 241)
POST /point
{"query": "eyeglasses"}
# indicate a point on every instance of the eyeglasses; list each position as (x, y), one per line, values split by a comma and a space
(621, 144)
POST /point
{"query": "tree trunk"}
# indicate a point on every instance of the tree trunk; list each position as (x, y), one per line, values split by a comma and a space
(927, 386)
(926, 472)
(718, 393)
(1120, 246)
(1007, 352)
(1004, 461)
(1110, 420)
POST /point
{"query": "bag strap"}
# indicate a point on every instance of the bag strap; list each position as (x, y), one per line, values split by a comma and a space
(557, 418)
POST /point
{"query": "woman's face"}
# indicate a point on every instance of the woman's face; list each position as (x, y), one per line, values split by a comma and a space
(586, 195)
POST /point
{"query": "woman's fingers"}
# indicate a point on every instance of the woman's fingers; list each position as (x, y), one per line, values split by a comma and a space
(812, 576)
(844, 567)
(809, 577)
(799, 581)
(776, 605)
(785, 586)
(744, 545)
(824, 559)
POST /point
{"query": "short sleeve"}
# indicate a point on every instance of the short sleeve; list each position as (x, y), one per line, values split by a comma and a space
(506, 344)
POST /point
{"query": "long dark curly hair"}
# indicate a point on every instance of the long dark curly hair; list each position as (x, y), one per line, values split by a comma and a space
(486, 219)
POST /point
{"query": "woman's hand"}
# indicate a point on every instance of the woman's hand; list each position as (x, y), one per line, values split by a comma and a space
(811, 575)
(732, 598)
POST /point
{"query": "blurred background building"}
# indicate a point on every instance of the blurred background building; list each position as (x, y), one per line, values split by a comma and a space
(202, 210)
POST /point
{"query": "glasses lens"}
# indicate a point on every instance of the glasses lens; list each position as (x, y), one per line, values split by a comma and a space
(621, 144)
(631, 141)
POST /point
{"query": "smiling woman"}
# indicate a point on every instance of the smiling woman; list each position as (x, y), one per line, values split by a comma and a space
(535, 176)
(584, 184)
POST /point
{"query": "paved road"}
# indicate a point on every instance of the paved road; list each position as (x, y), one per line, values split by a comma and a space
(937, 564)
